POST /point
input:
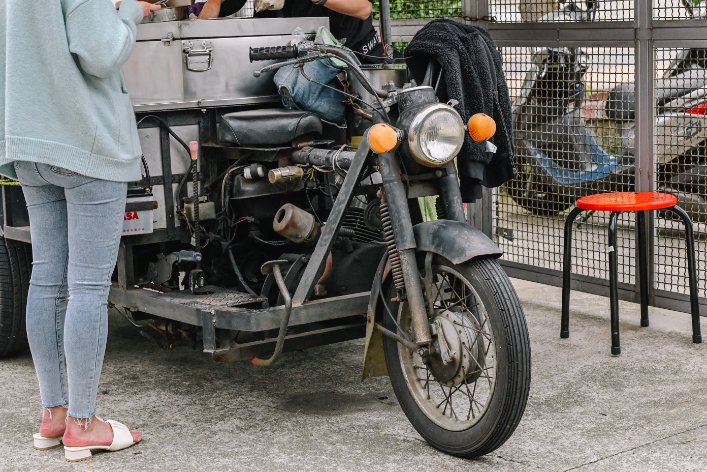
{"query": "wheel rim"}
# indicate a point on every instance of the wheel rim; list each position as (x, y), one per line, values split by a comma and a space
(457, 401)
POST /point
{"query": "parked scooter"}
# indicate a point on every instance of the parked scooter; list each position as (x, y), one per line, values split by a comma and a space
(560, 160)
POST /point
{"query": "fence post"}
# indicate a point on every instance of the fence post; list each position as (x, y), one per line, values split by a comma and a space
(470, 7)
(645, 130)
(476, 9)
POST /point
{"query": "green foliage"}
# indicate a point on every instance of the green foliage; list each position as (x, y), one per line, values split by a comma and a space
(421, 9)
(400, 45)
(428, 207)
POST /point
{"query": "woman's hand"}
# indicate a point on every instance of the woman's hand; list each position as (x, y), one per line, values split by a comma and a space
(148, 8)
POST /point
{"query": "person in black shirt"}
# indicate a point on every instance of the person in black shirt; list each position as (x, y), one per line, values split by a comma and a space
(220, 8)
(349, 20)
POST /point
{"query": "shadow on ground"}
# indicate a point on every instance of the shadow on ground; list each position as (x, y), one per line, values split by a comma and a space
(645, 410)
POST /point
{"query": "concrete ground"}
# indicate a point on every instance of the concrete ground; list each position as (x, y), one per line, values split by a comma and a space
(645, 410)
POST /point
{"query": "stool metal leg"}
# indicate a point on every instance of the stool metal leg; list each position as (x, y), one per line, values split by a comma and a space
(567, 273)
(614, 285)
(692, 272)
(643, 265)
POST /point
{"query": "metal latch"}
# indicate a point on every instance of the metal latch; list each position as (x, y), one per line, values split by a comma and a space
(198, 60)
(167, 40)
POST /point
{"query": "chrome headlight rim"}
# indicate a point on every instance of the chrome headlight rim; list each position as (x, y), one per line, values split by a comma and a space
(413, 135)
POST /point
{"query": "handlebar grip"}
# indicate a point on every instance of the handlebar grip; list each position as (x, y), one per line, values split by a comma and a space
(275, 53)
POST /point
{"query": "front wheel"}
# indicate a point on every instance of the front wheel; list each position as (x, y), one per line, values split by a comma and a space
(528, 191)
(468, 402)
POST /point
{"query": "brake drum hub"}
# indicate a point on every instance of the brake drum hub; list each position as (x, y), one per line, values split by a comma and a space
(459, 348)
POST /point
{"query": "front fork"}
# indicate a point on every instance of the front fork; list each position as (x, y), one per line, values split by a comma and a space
(403, 251)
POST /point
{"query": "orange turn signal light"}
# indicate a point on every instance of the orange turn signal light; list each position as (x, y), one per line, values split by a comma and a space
(481, 127)
(383, 138)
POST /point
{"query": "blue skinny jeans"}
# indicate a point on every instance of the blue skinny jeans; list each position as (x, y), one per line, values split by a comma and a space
(76, 224)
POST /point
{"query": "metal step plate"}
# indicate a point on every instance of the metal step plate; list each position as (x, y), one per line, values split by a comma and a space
(222, 299)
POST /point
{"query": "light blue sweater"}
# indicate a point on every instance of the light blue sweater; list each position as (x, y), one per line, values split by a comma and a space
(61, 87)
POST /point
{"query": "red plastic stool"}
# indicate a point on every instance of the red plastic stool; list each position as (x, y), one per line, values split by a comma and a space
(639, 203)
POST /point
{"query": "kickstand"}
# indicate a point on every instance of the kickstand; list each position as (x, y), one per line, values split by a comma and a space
(274, 267)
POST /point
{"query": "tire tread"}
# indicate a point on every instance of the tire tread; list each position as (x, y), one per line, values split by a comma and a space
(15, 272)
(519, 378)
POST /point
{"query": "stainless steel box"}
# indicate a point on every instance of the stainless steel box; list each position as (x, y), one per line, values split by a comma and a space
(204, 63)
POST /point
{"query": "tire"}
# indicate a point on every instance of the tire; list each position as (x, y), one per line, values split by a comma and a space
(539, 199)
(538, 202)
(15, 270)
(473, 436)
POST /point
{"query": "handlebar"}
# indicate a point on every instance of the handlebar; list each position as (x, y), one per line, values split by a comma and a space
(574, 8)
(573, 5)
(326, 158)
(275, 53)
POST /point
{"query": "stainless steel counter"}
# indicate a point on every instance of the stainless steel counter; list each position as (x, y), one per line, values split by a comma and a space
(204, 63)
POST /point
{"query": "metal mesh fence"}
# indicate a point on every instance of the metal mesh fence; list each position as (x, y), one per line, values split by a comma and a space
(515, 11)
(575, 135)
(678, 9)
(567, 146)
(681, 162)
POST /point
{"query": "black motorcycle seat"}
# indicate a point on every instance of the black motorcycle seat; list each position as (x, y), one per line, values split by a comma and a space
(270, 127)
(621, 104)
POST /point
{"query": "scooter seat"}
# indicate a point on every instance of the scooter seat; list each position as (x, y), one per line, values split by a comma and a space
(621, 104)
(270, 127)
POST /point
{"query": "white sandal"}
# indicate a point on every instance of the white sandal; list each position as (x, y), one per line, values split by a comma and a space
(42, 444)
(122, 439)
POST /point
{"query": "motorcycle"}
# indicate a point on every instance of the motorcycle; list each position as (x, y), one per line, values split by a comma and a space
(558, 157)
(284, 237)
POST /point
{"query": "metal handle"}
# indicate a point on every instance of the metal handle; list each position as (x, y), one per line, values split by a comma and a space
(198, 60)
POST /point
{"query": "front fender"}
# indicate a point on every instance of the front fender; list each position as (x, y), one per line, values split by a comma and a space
(455, 241)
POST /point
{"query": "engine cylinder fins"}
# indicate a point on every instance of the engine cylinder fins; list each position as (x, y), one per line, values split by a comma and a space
(356, 220)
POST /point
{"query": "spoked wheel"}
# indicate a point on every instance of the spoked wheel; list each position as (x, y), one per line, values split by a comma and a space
(467, 398)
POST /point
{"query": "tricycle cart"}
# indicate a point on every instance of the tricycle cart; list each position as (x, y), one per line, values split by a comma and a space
(258, 229)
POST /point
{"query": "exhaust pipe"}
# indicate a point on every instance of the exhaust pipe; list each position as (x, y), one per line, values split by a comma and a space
(296, 225)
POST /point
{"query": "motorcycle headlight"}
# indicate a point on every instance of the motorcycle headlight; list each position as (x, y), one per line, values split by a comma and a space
(436, 135)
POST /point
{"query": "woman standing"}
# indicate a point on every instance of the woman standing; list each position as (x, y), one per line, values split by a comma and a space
(69, 136)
